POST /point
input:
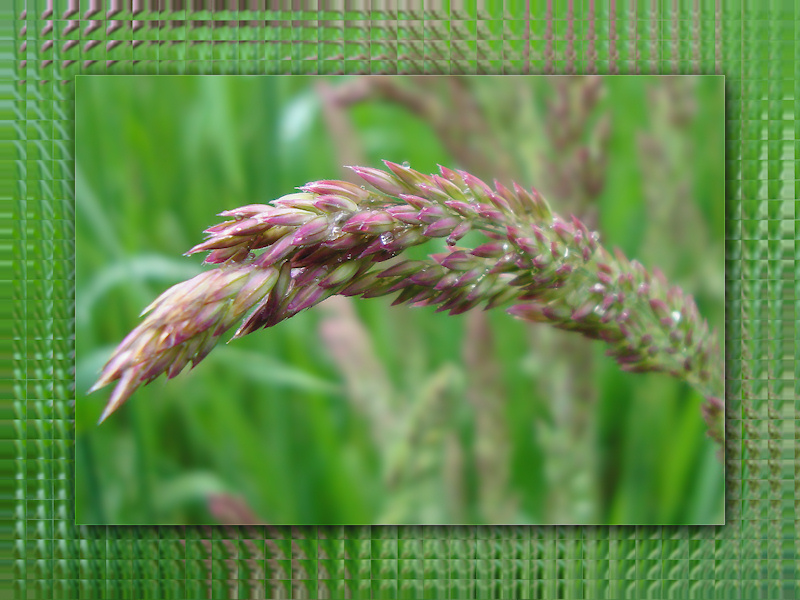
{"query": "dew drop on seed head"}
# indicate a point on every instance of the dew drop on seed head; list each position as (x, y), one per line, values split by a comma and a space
(676, 316)
(387, 238)
(406, 164)
(336, 224)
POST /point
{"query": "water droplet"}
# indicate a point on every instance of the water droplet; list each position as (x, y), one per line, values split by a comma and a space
(387, 238)
(597, 288)
(676, 316)
(406, 164)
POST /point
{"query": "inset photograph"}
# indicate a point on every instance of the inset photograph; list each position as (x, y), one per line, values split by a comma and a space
(400, 300)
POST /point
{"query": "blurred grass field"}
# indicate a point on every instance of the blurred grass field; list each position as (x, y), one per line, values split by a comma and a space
(362, 413)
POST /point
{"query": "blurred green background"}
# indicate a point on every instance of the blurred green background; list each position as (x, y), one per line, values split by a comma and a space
(357, 412)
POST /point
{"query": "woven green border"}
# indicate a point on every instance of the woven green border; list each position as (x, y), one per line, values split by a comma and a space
(754, 556)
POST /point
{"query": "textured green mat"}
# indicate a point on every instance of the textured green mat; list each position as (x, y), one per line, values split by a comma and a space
(756, 555)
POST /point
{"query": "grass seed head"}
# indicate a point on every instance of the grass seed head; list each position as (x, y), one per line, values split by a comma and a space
(331, 237)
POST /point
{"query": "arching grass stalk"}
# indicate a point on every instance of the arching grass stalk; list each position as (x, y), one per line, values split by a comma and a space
(333, 237)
